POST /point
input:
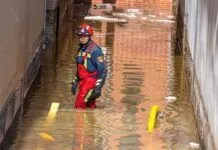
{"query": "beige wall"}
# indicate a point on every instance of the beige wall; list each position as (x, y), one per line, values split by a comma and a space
(21, 23)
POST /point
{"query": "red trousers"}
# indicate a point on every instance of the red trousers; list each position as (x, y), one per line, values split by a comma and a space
(84, 86)
(86, 83)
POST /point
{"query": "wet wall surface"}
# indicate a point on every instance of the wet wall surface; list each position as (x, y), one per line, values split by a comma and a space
(144, 69)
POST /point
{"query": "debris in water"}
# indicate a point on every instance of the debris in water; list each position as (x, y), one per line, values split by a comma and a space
(152, 16)
(170, 99)
(102, 6)
(194, 145)
(126, 15)
(133, 11)
(162, 21)
(101, 18)
(144, 18)
(160, 115)
(170, 16)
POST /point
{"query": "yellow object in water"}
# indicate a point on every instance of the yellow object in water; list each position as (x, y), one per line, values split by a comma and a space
(53, 110)
(46, 136)
(152, 118)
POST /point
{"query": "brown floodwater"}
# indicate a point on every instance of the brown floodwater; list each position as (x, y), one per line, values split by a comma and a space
(144, 69)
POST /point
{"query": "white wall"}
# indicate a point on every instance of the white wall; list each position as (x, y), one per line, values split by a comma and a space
(201, 22)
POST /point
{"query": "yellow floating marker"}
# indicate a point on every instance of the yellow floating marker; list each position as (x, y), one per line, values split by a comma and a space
(53, 110)
(152, 118)
(46, 137)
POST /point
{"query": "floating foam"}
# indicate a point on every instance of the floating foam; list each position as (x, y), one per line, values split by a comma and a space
(194, 145)
(133, 10)
(101, 18)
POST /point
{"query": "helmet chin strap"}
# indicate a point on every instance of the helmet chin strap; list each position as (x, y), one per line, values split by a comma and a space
(89, 39)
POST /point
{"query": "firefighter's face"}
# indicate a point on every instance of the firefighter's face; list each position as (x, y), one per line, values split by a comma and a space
(83, 39)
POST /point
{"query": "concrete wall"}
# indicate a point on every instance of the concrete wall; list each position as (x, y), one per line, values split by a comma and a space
(200, 48)
(21, 35)
(21, 25)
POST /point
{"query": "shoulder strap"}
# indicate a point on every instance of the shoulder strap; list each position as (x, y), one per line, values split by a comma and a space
(89, 48)
(91, 45)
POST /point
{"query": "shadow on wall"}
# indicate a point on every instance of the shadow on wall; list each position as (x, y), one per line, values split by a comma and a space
(83, 1)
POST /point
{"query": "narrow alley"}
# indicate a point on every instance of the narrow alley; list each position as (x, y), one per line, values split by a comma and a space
(144, 69)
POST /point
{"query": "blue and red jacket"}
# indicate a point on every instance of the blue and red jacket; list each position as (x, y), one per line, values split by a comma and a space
(91, 57)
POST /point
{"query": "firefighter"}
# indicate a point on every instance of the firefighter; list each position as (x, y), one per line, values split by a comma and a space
(91, 70)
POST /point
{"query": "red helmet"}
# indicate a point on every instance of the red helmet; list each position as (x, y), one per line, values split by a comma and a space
(85, 30)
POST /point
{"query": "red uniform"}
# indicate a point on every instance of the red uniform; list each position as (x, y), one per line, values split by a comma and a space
(86, 83)
(91, 71)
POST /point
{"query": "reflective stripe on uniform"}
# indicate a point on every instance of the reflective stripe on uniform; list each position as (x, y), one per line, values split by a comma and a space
(85, 60)
(83, 54)
(98, 81)
(88, 55)
(85, 63)
(79, 54)
(75, 79)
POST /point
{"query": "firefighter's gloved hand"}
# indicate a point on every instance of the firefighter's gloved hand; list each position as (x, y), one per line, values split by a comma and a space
(95, 93)
(74, 87)
(97, 90)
